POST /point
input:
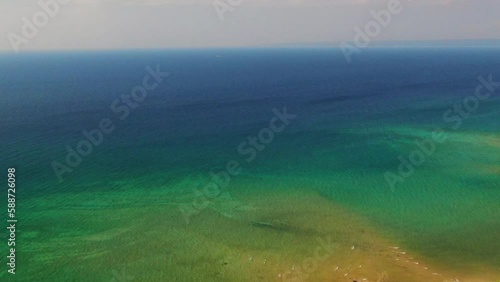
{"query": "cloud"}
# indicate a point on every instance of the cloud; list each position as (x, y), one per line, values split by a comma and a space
(133, 24)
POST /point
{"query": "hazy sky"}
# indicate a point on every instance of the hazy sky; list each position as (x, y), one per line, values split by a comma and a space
(118, 24)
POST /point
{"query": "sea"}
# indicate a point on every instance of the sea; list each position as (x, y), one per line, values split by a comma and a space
(252, 164)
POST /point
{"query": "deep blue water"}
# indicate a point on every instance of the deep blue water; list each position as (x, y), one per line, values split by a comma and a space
(48, 98)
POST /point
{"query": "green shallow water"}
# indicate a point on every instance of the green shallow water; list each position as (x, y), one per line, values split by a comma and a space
(134, 221)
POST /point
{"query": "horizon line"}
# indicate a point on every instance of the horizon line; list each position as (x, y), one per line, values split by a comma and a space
(465, 43)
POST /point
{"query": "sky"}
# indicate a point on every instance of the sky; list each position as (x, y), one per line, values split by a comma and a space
(158, 24)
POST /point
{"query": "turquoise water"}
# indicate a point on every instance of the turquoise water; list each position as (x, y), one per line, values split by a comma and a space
(352, 122)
